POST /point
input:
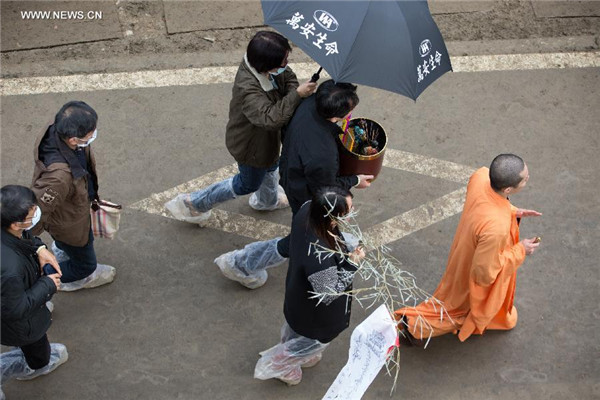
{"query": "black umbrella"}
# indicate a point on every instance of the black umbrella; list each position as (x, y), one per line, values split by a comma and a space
(391, 45)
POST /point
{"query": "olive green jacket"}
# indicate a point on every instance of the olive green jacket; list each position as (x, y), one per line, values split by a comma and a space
(256, 115)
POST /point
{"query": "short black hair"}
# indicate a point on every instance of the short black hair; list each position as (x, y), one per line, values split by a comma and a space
(335, 100)
(75, 119)
(505, 171)
(16, 202)
(267, 50)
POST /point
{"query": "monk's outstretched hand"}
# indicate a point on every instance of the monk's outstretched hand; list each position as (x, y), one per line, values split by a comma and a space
(527, 213)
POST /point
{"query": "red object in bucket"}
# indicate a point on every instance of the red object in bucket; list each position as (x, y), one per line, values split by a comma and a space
(352, 163)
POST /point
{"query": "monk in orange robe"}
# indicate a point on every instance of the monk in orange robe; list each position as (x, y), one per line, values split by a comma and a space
(478, 287)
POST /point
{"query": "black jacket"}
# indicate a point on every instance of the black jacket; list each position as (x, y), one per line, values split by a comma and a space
(309, 157)
(25, 317)
(325, 321)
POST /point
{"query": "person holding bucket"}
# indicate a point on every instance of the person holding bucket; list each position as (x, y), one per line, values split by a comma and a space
(265, 94)
(309, 162)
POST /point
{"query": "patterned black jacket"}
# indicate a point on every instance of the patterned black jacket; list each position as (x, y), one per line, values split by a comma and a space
(306, 273)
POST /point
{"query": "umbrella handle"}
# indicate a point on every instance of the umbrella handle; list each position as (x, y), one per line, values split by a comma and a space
(316, 76)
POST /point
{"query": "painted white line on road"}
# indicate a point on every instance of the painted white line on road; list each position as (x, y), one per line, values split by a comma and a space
(154, 204)
(222, 220)
(520, 62)
(383, 233)
(245, 225)
(212, 75)
(418, 218)
(129, 80)
(423, 165)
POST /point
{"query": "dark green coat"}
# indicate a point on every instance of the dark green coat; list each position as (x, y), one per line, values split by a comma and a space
(253, 134)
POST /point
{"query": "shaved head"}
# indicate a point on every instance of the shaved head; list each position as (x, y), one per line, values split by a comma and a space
(505, 171)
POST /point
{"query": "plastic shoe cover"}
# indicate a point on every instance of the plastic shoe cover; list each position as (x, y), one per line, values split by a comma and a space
(50, 306)
(58, 253)
(226, 263)
(257, 204)
(101, 276)
(248, 265)
(12, 365)
(313, 361)
(292, 378)
(283, 363)
(181, 212)
(205, 199)
(58, 356)
(277, 363)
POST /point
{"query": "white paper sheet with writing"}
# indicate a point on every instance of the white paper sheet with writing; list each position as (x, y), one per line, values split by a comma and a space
(369, 346)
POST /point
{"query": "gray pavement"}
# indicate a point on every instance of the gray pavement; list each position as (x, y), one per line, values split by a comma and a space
(172, 327)
(149, 35)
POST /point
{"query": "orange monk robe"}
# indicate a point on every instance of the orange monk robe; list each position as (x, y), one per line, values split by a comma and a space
(478, 286)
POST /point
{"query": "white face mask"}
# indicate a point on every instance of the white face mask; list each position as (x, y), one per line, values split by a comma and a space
(90, 140)
(37, 215)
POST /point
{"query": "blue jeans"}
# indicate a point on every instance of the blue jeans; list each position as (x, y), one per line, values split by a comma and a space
(247, 180)
(81, 263)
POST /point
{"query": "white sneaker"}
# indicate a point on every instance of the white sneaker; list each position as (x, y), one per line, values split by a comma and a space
(226, 263)
(58, 253)
(282, 201)
(185, 212)
(101, 276)
(58, 356)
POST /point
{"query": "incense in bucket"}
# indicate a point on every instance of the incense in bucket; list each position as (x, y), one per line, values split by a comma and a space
(362, 147)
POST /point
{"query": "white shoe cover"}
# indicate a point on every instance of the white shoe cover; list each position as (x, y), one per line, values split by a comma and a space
(226, 265)
(282, 201)
(179, 210)
(58, 356)
(101, 276)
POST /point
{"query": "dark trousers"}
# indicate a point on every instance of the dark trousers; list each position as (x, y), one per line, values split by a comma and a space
(37, 354)
(82, 260)
(283, 247)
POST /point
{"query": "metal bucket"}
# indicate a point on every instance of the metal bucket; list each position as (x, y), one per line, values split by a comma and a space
(353, 163)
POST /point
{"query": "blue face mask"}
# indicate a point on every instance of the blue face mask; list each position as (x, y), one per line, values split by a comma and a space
(279, 71)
